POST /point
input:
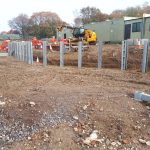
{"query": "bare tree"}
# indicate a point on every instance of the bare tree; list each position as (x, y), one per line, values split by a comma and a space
(117, 14)
(40, 18)
(78, 21)
(136, 11)
(44, 24)
(20, 23)
(146, 8)
(91, 14)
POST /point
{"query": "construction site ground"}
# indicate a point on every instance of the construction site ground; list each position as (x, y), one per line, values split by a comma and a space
(53, 108)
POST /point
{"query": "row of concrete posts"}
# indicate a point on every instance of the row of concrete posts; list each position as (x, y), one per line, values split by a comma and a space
(23, 51)
(124, 59)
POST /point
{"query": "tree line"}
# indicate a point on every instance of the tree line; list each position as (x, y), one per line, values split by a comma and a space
(92, 14)
(44, 24)
(40, 24)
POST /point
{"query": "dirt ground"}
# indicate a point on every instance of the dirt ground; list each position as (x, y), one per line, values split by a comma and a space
(53, 108)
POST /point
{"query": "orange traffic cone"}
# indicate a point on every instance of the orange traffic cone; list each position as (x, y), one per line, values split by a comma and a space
(139, 46)
(51, 47)
(37, 60)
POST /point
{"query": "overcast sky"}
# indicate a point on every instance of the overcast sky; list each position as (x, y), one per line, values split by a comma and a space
(64, 8)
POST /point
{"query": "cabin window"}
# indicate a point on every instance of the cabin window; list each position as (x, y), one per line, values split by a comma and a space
(136, 27)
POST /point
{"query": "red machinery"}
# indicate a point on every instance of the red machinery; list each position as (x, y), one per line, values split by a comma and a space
(4, 45)
(37, 43)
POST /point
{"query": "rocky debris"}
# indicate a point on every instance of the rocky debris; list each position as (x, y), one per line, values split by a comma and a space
(32, 104)
(94, 135)
(92, 138)
(75, 117)
(113, 143)
(142, 141)
(85, 107)
(87, 135)
(106, 105)
(2, 103)
(148, 143)
(125, 141)
(17, 130)
(75, 129)
(29, 138)
(101, 109)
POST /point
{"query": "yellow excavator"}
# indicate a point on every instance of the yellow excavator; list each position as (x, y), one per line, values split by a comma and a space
(87, 36)
(81, 33)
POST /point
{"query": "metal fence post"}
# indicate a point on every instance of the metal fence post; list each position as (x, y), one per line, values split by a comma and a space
(61, 54)
(79, 54)
(145, 57)
(100, 44)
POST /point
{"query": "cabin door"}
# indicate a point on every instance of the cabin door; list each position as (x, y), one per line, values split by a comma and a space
(127, 32)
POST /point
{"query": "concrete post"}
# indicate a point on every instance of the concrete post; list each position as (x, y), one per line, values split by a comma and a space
(69, 45)
(44, 53)
(61, 54)
(100, 44)
(9, 49)
(19, 51)
(25, 52)
(145, 57)
(21, 45)
(79, 54)
(29, 52)
(15, 48)
(124, 56)
(22, 51)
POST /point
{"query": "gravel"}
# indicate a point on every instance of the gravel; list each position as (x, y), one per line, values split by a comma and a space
(17, 130)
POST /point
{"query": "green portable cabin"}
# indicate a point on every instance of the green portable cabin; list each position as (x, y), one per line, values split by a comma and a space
(138, 28)
(65, 33)
(10, 37)
(146, 32)
(108, 31)
(121, 29)
(101, 28)
(133, 29)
